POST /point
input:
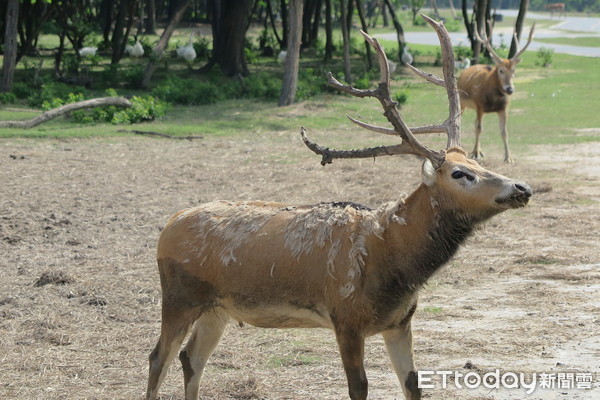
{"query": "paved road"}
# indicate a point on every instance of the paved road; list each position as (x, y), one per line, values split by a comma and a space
(584, 26)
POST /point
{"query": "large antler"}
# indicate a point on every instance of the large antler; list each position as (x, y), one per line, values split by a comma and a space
(519, 52)
(488, 45)
(409, 144)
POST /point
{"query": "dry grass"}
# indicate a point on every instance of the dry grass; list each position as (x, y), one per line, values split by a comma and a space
(80, 299)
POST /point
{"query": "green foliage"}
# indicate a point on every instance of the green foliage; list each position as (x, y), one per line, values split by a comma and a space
(363, 82)
(51, 91)
(311, 82)
(133, 76)
(59, 101)
(544, 56)
(202, 48)
(188, 91)
(260, 85)
(21, 90)
(401, 97)
(7, 97)
(146, 108)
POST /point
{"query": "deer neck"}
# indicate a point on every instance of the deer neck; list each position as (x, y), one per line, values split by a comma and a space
(430, 236)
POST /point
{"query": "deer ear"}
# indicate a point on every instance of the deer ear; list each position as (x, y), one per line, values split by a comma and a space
(428, 173)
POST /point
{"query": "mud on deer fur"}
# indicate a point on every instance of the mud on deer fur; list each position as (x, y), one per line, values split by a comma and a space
(342, 266)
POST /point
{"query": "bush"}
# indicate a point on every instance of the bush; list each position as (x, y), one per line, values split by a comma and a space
(145, 108)
(52, 90)
(261, 86)
(544, 56)
(134, 76)
(7, 97)
(401, 97)
(188, 91)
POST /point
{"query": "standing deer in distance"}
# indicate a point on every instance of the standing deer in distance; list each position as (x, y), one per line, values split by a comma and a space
(342, 266)
(487, 89)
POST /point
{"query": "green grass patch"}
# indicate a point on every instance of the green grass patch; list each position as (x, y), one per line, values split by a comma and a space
(586, 41)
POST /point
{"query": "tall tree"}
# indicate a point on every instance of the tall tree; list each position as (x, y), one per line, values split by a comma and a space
(292, 60)
(345, 16)
(150, 22)
(518, 27)
(10, 46)
(229, 25)
(398, 27)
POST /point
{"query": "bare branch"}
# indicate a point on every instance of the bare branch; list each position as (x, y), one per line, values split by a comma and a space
(57, 112)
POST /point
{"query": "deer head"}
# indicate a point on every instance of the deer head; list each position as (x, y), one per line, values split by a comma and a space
(505, 68)
(465, 184)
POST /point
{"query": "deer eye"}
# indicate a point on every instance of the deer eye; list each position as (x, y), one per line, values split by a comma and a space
(460, 174)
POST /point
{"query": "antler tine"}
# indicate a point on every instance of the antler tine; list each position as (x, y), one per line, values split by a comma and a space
(519, 52)
(453, 122)
(409, 144)
(486, 42)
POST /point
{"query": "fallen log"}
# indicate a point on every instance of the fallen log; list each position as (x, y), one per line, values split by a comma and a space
(57, 112)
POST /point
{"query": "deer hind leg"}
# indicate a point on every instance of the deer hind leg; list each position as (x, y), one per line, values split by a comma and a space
(352, 349)
(477, 149)
(502, 118)
(206, 334)
(176, 321)
(400, 350)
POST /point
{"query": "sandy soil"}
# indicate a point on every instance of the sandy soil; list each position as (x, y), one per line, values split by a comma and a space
(80, 296)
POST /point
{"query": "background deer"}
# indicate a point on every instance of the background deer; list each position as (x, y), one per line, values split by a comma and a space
(558, 7)
(487, 89)
(341, 266)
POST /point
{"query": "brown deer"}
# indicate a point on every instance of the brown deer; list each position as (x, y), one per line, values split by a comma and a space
(487, 89)
(342, 266)
(558, 7)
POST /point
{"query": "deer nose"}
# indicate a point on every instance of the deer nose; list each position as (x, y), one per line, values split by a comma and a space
(510, 90)
(524, 188)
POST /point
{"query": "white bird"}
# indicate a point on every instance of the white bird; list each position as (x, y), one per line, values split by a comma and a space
(392, 66)
(281, 56)
(137, 50)
(406, 58)
(187, 52)
(462, 63)
(88, 51)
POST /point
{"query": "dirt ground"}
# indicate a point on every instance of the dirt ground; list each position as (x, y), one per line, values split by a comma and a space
(80, 295)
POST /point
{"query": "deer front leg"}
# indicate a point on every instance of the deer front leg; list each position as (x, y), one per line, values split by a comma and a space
(477, 154)
(400, 350)
(352, 349)
(502, 118)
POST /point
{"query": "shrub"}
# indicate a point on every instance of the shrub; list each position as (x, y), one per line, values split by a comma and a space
(7, 97)
(52, 90)
(544, 56)
(134, 76)
(401, 97)
(261, 86)
(145, 108)
(188, 91)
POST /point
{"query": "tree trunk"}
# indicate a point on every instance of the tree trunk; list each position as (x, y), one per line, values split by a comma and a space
(230, 23)
(10, 46)
(162, 43)
(480, 25)
(328, 31)
(346, 40)
(398, 27)
(468, 25)
(150, 23)
(364, 26)
(67, 108)
(292, 60)
(518, 27)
